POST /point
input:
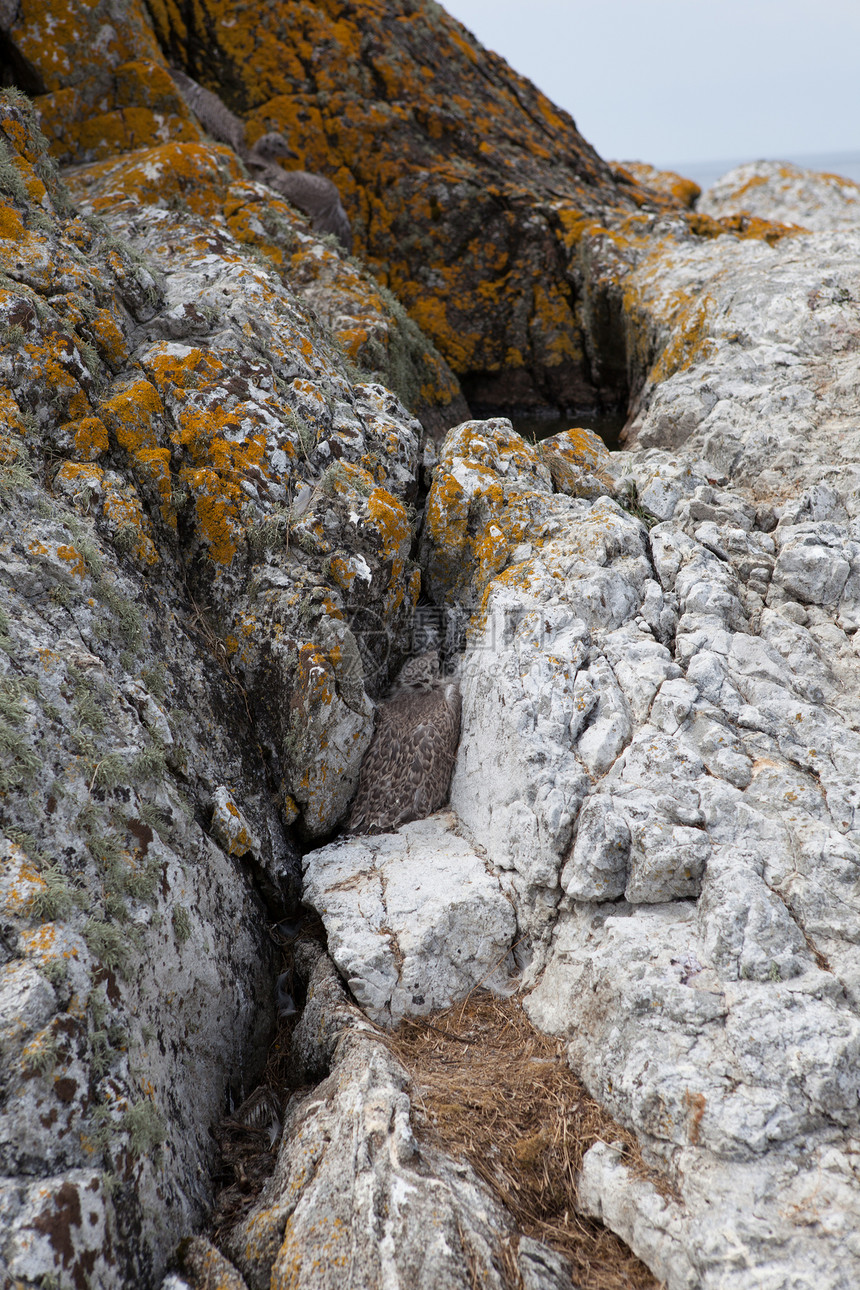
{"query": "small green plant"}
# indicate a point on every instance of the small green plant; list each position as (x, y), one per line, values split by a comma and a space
(42, 1057)
(775, 974)
(56, 899)
(154, 816)
(272, 532)
(111, 945)
(149, 764)
(11, 179)
(103, 1129)
(181, 924)
(629, 501)
(90, 553)
(115, 907)
(127, 615)
(144, 1126)
(155, 679)
(56, 971)
(88, 711)
(142, 884)
(111, 771)
(125, 538)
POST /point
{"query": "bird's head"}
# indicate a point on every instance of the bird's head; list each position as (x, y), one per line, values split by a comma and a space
(421, 673)
(271, 146)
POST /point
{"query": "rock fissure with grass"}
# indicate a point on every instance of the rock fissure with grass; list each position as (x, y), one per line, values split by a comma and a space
(594, 1025)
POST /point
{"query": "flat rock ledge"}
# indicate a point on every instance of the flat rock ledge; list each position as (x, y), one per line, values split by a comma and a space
(415, 919)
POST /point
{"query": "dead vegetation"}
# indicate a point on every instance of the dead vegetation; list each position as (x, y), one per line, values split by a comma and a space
(489, 1088)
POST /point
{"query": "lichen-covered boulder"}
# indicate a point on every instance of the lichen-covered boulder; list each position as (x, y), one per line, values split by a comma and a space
(777, 190)
(206, 526)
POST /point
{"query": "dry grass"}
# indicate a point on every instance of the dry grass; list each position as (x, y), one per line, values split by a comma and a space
(489, 1088)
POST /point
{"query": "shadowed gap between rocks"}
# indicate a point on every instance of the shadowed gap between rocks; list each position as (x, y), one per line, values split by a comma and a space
(17, 72)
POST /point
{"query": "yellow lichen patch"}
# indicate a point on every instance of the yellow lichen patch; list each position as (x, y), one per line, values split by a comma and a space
(742, 225)
(664, 184)
(90, 437)
(108, 336)
(447, 513)
(39, 942)
(690, 322)
(19, 882)
(197, 173)
(73, 559)
(122, 508)
(152, 465)
(132, 415)
(217, 515)
(10, 415)
(572, 456)
(11, 224)
(79, 481)
(391, 522)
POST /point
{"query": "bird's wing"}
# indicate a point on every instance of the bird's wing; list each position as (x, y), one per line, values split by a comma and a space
(406, 772)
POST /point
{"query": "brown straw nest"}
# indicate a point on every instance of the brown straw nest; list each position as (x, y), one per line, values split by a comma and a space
(489, 1088)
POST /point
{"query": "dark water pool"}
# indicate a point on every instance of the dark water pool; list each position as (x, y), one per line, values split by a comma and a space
(607, 424)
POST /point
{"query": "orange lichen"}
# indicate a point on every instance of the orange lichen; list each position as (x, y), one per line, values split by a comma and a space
(90, 437)
(74, 559)
(11, 224)
(132, 415)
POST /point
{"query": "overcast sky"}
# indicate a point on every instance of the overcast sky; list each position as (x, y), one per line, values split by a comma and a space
(669, 81)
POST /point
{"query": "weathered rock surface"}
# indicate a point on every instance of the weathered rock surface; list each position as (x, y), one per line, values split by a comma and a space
(414, 919)
(660, 754)
(204, 554)
(354, 1198)
(206, 572)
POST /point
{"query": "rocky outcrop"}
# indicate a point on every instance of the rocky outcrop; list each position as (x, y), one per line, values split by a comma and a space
(469, 193)
(413, 920)
(205, 551)
(355, 1195)
(777, 190)
(207, 562)
(664, 774)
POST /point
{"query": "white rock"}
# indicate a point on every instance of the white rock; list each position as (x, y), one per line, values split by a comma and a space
(414, 919)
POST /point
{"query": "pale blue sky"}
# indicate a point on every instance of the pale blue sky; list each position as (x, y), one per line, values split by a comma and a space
(669, 81)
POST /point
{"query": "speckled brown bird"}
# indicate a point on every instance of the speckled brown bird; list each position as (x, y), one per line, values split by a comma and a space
(406, 772)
